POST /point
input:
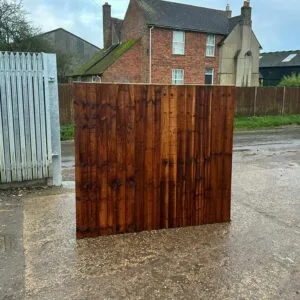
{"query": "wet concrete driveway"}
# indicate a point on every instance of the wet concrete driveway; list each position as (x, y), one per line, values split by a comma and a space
(257, 256)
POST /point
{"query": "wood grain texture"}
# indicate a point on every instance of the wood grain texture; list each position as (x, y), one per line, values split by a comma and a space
(151, 157)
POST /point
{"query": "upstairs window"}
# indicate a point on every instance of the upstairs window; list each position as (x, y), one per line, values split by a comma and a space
(210, 45)
(178, 42)
(177, 76)
(209, 76)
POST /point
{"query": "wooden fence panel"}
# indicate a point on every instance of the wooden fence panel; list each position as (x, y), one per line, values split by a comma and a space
(151, 157)
(292, 101)
(66, 110)
(269, 101)
(245, 104)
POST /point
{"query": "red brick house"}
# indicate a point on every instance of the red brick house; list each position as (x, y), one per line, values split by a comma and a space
(162, 42)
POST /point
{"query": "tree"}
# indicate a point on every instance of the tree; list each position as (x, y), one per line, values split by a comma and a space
(18, 34)
(290, 81)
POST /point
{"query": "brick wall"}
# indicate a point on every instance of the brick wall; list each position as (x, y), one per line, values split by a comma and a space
(193, 62)
(134, 25)
(127, 69)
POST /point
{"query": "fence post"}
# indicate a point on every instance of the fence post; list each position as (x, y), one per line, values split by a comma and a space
(255, 99)
(283, 101)
(51, 78)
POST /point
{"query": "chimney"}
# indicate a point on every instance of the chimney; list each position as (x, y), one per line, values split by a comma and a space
(228, 11)
(107, 26)
(246, 13)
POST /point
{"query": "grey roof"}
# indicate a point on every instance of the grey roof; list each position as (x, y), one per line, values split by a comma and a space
(68, 32)
(233, 22)
(274, 59)
(185, 17)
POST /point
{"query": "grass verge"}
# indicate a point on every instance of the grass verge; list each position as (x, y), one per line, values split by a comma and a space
(67, 132)
(240, 123)
(248, 123)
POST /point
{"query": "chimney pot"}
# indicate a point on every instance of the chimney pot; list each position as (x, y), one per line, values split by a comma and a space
(228, 11)
(246, 3)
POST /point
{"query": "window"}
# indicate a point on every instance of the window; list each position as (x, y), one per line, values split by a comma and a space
(210, 45)
(177, 76)
(178, 42)
(290, 57)
(209, 76)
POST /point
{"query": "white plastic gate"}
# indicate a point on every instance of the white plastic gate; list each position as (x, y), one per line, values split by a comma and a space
(29, 118)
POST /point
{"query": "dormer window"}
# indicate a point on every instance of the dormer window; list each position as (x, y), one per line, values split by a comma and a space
(210, 45)
(178, 42)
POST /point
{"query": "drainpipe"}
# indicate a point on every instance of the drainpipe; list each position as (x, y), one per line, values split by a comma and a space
(150, 56)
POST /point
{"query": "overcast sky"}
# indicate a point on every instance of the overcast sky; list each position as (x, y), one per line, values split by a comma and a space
(275, 22)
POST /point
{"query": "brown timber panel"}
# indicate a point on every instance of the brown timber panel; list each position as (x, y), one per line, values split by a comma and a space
(245, 101)
(66, 111)
(151, 157)
(269, 101)
(292, 101)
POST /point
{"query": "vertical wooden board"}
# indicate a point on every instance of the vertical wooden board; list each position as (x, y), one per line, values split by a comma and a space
(130, 159)
(4, 145)
(181, 147)
(172, 155)
(102, 156)
(33, 138)
(37, 117)
(44, 158)
(189, 159)
(149, 159)
(198, 152)
(47, 114)
(81, 162)
(140, 145)
(157, 155)
(92, 157)
(165, 135)
(207, 155)
(112, 94)
(27, 128)
(20, 109)
(15, 112)
(10, 123)
(193, 158)
(120, 182)
(217, 121)
(227, 159)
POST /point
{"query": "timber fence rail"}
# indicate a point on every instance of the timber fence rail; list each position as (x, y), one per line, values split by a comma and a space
(151, 157)
(251, 101)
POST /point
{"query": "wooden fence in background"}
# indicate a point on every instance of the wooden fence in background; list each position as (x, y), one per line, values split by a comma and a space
(66, 111)
(250, 101)
(263, 101)
(151, 157)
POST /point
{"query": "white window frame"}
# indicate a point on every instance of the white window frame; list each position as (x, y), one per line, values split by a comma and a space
(210, 45)
(175, 78)
(212, 74)
(178, 45)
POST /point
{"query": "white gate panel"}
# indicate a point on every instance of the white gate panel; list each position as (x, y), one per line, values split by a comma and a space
(28, 118)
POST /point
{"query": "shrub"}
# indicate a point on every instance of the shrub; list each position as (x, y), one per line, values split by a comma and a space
(290, 81)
